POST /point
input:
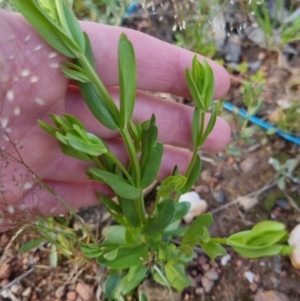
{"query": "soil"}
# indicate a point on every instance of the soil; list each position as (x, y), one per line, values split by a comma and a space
(240, 170)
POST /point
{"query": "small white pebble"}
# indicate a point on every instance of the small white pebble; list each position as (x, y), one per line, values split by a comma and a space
(52, 55)
(54, 65)
(27, 38)
(34, 79)
(17, 111)
(10, 209)
(39, 101)
(37, 48)
(10, 95)
(198, 206)
(25, 72)
(225, 259)
(27, 186)
(249, 276)
(294, 241)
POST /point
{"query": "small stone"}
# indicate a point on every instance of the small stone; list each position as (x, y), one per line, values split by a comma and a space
(249, 276)
(198, 205)
(199, 291)
(225, 259)
(60, 291)
(27, 292)
(248, 164)
(270, 296)
(246, 202)
(85, 291)
(253, 287)
(283, 204)
(16, 288)
(71, 296)
(294, 241)
(220, 196)
(202, 189)
(211, 274)
(207, 284)
(5, 270)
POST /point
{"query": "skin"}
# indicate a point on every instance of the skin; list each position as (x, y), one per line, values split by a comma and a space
(32, 86)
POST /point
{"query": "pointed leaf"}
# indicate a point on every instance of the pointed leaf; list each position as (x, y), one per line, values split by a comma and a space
(193, 234)
(31, 244)
(46, 27)
(127, 257)
(49, 129)
(97, 106)
(117, 183)
(194, 175)
(177, 276)
(213, 249)
(165, 213)
(130, 212)
(127, 79)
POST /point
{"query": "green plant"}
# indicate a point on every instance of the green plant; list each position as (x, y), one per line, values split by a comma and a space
(277, 31)
(285, 171)
(140, 242)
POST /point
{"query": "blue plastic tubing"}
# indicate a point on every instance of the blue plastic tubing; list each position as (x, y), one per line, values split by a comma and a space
(228, 106)
(265, 125)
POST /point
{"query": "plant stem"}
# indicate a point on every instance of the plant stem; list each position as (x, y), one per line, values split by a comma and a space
(99, 85)
(139, 202)
(218, 240)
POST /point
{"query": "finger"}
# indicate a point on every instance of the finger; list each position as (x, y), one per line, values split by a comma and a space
(78, 193)
(160, 65)
(173, 120)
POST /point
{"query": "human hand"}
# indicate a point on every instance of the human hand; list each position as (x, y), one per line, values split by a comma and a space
(32, 86)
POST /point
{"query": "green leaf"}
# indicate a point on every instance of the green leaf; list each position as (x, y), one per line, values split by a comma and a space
(112, 288)
(115, 234)
(171, 184)
(210, 125)
(193, 176)
(90, 250)
(142, 296)
(196, 126)
(53, 257)
(73, 27)
(74, 121)
(213, 249)
(111, 255)
(70, 151)
(151, 153)
(49, 129)
(31, 244)
(130, 212)
(127, 257)
(89, 51)
(97, 105)
(181, 209)
(127, 79)
(209, 87)
(195, 231)
(193, 90)
(93, 149)
(187, 250)
(163, 217)
(177, 276)
(46, 27)
(117, 183)
(134, 277)
(110, 204)
(75, 75)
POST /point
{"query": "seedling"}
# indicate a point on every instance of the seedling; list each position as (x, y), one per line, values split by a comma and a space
(140, 241)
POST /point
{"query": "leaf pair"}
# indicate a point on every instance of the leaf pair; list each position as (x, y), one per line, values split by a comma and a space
(57, 25)
(200, 81)
(264, 239)
(75, 141)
